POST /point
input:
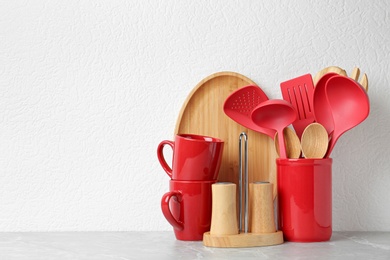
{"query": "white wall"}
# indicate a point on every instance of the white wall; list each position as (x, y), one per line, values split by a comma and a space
(89, 88)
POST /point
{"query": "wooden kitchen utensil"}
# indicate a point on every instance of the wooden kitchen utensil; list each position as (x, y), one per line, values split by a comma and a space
(314, 141)
(293, 144)
(333, 69)
(202, 113)
(363, 81)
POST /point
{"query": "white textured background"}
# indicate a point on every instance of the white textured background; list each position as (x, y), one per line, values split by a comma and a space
(89, 89)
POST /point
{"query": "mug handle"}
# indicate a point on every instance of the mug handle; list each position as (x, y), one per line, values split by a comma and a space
(161, 158)
(167, 212)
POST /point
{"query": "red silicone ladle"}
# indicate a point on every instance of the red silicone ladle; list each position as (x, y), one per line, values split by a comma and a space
(275, 114)
(349, 105)
(321, 109)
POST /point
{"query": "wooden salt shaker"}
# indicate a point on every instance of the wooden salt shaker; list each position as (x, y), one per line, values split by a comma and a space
(224, 211)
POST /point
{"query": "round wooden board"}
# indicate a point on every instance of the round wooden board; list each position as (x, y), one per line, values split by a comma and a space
(202, 113)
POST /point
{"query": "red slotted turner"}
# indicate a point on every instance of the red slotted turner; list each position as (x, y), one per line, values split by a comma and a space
(299, 92)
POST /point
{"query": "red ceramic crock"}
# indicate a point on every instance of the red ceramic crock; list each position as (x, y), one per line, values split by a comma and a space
(305, 199)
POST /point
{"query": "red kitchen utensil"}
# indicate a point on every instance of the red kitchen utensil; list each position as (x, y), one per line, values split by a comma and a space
(275, 114)
(349, 104)
(299, 92)
(322, 111)
(240, 104)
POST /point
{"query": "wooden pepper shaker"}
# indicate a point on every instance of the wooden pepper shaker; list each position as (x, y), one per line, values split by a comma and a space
(262, 218)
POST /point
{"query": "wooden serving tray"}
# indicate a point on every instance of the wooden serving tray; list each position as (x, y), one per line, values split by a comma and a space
(202, 113)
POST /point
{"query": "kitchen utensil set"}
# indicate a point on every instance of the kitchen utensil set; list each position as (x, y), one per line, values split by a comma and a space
(305, 126)
(336, 104)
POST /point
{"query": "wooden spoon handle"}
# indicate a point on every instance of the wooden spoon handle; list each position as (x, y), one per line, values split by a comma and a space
(364, 82)
(291, 140)
(355, 73)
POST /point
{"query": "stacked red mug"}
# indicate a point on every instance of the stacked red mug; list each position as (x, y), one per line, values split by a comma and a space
(196, 161)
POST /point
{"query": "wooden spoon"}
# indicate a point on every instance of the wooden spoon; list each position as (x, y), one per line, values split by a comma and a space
(326, 70)
(293, 145)
(314, 141)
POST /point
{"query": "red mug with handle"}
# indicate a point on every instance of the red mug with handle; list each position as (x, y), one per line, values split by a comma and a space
(187, 207)
(195, 157)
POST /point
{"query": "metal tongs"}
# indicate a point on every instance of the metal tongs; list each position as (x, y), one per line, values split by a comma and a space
(244, 136)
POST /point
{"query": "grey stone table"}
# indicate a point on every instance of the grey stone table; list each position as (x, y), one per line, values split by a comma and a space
(163, 245)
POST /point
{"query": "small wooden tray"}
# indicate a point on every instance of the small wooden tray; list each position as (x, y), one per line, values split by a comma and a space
(243, 239)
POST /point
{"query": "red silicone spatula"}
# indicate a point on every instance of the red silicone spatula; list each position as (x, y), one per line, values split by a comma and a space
(299, 92)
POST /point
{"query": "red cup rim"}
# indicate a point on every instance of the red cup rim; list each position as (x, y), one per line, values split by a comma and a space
(192, 182)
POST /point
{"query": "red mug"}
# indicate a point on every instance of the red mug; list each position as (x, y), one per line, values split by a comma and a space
(195, 157)
(305, 199)
(187, 207)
